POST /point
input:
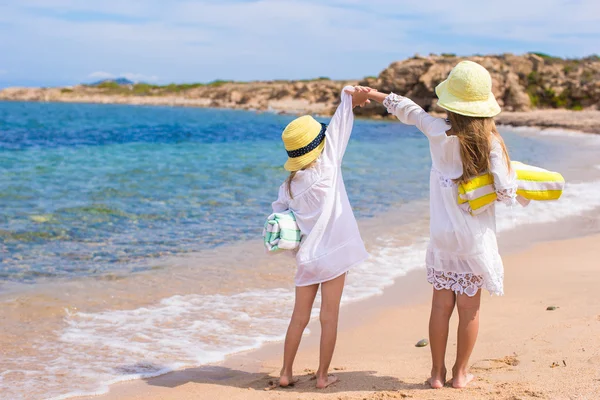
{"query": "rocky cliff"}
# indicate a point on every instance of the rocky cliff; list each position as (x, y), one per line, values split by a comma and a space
(520, 83)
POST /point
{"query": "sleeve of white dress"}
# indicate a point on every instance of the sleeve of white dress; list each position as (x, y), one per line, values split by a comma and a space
(339, 129)
(505, 179)
(281, 204)
(445, 150)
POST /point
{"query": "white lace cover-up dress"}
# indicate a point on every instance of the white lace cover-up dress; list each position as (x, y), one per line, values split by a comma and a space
(462, 255)
(331, 242)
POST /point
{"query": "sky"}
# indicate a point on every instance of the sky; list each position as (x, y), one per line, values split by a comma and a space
(66, 42)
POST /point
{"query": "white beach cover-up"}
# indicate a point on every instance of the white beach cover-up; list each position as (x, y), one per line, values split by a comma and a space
(462, 255)
(331, 243)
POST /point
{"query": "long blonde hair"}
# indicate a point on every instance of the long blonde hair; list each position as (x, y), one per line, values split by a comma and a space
(475, 135)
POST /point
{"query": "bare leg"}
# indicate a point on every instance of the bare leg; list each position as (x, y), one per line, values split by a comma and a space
(468, 327)
(331, 294)
(305, 297)
(442, 306)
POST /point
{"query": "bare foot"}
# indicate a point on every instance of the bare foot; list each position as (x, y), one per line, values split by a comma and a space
(437, 379)
(285, 381)
(461, 381)
(322, 383)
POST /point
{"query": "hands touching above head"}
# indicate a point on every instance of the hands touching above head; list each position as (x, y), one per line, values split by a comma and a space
(362, 95)
(363, 89)
(359, 95)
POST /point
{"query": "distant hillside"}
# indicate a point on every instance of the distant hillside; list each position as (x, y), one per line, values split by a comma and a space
(112, 82)
(520, 83)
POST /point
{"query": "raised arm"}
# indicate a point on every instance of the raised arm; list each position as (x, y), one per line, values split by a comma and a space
(340, 126)
(410, 113)
(445, 150)
(373, 94)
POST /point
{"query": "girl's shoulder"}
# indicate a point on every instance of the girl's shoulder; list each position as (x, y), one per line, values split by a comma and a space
(305, 180)
(496, 146)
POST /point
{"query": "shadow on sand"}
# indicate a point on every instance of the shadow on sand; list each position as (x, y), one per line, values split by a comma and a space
(350, 381)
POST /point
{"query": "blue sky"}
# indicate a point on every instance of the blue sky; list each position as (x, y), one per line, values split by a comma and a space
(63, 42)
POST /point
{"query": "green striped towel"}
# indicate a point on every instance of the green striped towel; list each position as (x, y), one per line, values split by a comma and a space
(281, 232)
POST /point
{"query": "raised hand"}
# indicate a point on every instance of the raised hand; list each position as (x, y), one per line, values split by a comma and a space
(364, 89)
(357, 88)
(359, 95)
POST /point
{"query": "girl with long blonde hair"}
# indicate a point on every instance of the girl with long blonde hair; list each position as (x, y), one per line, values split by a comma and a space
(462, 256)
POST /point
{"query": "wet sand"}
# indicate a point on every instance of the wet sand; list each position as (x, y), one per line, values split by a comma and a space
(524, 351)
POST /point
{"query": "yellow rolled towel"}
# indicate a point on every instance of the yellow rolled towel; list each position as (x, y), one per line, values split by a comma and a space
(533, 183)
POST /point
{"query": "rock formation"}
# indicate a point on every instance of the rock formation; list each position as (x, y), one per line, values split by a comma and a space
(520, 83)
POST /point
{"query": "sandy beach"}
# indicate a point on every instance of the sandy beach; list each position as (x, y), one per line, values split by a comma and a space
(583, 121)
(524, 351)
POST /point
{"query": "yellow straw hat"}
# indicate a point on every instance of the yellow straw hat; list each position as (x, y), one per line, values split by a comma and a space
(468, 91)
(304, 140)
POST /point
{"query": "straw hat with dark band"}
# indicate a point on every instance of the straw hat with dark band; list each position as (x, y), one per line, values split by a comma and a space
(304, 140)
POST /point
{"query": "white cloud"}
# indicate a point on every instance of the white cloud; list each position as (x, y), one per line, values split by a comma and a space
(202, 20)
(128, 75)
(101, 75)
(138, 77)
(115, 7)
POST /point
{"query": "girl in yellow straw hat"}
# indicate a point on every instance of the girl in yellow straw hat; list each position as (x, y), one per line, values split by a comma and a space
(462, 256)
(331, 243)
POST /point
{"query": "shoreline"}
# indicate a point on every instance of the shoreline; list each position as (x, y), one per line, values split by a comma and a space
(587, 121)
(584, 121)
(390, 374)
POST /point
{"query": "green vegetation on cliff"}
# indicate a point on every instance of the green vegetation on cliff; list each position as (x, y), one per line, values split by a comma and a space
(146, 89)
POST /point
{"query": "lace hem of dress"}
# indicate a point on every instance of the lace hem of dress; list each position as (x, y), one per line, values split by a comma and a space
(391, 102)
(466, 283)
